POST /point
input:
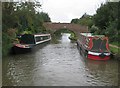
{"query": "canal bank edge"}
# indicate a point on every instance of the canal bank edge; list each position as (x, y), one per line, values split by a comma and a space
(115, 50)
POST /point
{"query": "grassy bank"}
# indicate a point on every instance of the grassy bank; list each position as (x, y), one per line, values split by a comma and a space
(115, 43)
(114, 50)
(115, 47)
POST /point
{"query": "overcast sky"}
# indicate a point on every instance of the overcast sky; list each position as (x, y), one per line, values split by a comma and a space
(66, 10)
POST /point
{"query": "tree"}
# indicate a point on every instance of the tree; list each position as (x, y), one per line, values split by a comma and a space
(45, 17)
(21, 18)
(106, 15)
(107, 20)
(8, 19)
(76, 21)
(85, 20)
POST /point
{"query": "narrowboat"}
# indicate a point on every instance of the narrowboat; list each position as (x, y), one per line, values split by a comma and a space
(28, 41)
(95, 47)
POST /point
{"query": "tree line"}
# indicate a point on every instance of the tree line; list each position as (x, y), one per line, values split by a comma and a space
(20, 18)
(106, 21)
(24, 17)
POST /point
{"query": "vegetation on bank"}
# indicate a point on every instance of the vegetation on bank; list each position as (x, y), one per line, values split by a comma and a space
(21, 18)
(24, 17)
(105, 22)
(115, 43)
(114, 50)
(73, 37)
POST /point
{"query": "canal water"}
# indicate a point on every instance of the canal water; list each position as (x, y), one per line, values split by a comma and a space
(58, 65)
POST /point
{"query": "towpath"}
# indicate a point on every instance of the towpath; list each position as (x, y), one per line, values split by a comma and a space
(114, 46)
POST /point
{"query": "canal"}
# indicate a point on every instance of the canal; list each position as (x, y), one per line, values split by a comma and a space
(58, 65)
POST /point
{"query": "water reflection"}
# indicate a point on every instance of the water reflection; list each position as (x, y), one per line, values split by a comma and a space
(0, 72)
(102, 72)
(58, 65)
(65, 38)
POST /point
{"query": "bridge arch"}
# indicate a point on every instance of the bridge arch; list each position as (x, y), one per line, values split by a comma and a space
(71, 26)
(65, 30)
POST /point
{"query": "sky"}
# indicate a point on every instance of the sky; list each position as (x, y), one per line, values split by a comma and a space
(64, 11)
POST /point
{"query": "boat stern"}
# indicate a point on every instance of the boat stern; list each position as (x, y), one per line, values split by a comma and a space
(99, 56)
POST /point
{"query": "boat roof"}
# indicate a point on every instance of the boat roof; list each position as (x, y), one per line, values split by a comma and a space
(32, 34)
(41, 35)
(86, 34)
(91, 35)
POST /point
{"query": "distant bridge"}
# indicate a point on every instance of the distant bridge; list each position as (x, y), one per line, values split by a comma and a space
(70, 26)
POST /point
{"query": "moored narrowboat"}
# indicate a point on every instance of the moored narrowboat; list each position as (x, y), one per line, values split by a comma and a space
(95, 47)
(28, 41)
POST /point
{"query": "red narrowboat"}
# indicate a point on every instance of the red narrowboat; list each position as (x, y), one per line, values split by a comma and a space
(95, 47)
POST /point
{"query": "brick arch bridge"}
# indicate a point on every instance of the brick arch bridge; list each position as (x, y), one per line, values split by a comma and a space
(70, 26)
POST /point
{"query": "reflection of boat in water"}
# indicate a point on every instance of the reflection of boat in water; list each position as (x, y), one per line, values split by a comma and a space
(102, 73)
(94, 47)
(28, 41)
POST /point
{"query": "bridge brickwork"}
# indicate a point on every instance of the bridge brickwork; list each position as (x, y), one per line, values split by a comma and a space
(70, 26)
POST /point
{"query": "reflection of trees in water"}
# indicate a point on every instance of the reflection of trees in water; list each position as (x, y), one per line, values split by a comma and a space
(4, 72)
(65, 37)
(119, 73)
(57, 35)
(55, 38)
(17, 70)
(0, 69)
(103, 71)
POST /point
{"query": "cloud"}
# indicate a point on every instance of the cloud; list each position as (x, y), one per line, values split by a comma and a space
(66, 10)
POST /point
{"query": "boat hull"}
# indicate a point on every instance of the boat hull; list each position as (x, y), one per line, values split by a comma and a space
(95, 57)
(31, 48)
(28, 41)
(18, 50)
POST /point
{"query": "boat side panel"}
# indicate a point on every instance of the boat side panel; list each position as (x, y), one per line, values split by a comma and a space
(41, 39)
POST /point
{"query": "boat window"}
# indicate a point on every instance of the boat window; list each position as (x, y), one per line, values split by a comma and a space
(41, 38)
(103, 45)
(45, 37)
(99, 45)
(27, 39)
